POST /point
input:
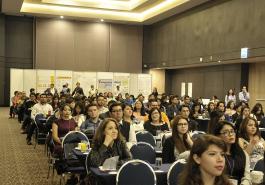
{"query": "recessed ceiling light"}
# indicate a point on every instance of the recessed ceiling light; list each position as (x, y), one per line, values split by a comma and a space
(102, 20)
(61, 17)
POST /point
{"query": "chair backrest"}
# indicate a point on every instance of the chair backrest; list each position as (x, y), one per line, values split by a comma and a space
(197, 134)
(136, 172)
(70, 141)
(165, 136)
(147, 137)
(259, 166)
(40, 122)
(143, 151)
(174, 171)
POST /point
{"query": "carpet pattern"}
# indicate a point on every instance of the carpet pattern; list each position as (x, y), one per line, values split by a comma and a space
(21, 164)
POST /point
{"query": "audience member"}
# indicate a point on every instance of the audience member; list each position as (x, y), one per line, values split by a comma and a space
(78, 90)
(126, 129)
(61, 127)
(108, 142)
(251, 141)
(179, 142)
(139, 111)
(91, 124)
(185, 112)
(206, 163)
(236, 160)
(230, 96)
(155, 124)
(243, 96)
(39, 108)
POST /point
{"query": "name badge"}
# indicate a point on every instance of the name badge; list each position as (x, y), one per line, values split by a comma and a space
(233, 181)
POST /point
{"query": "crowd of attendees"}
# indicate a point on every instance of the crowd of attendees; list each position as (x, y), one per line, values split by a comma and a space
(110, 120)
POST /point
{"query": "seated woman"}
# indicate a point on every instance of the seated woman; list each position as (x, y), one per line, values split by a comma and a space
(196, 110)
(230, 111)
(179, 142)
(139, 112)
(78, 113)
(61, 127)
(206, 163)
(250, 140)
(128, 114)
(215, 117)
(237, 161)
(257, 111)
(155, 124)
(108, 142)
(209, 110)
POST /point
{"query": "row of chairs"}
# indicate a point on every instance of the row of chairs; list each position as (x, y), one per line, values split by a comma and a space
(140, 172)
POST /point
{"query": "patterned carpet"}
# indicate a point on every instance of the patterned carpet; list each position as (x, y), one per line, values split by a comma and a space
(21, 164)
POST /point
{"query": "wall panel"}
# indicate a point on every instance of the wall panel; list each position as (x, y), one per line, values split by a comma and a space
(85, 46)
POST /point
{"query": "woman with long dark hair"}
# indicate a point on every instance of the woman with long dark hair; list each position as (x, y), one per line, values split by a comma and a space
(251, 141)
(237, 161)
(258, 111)
(206, 163)
(139, 111)
(179, 142)
(108, 142)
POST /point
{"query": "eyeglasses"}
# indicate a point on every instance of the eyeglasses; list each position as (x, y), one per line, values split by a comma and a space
(182, 124)
(228, 132)
(116, 111)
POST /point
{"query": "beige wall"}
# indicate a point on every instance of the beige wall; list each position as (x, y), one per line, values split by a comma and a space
(86, 46)
(256, 83)
(158, 79)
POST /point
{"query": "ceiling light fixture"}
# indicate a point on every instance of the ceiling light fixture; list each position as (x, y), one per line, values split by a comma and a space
(102, 20)
(61, 17)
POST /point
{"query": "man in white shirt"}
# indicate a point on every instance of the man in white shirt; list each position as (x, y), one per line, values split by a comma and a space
(40, 108)
(243, 96)
(101, 108)
(117, 91)
(92, 91)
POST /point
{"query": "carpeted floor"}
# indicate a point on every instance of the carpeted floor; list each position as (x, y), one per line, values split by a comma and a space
(20, 164)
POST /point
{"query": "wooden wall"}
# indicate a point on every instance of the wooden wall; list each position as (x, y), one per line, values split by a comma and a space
(85, 46)
(257, 83)
(214, 31)
(206, 81)
(16, 50)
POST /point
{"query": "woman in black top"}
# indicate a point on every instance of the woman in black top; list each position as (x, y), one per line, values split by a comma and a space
(155, 124)
(237, 161)
(107, 143)
(179, 142)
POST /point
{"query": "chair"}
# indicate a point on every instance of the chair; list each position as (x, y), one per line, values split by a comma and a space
(259, 166)
(143, 151)
(41, 130)
(165, 136)
(136, 172)
(72, 163)
(197, 134)
(147, 137)
(174, 171)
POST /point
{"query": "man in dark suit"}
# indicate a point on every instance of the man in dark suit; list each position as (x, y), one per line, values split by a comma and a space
(52, 90)
(78, 90)
(126, 128)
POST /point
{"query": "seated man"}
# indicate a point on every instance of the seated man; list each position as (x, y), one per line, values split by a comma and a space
(40, 108)
(90, 125)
